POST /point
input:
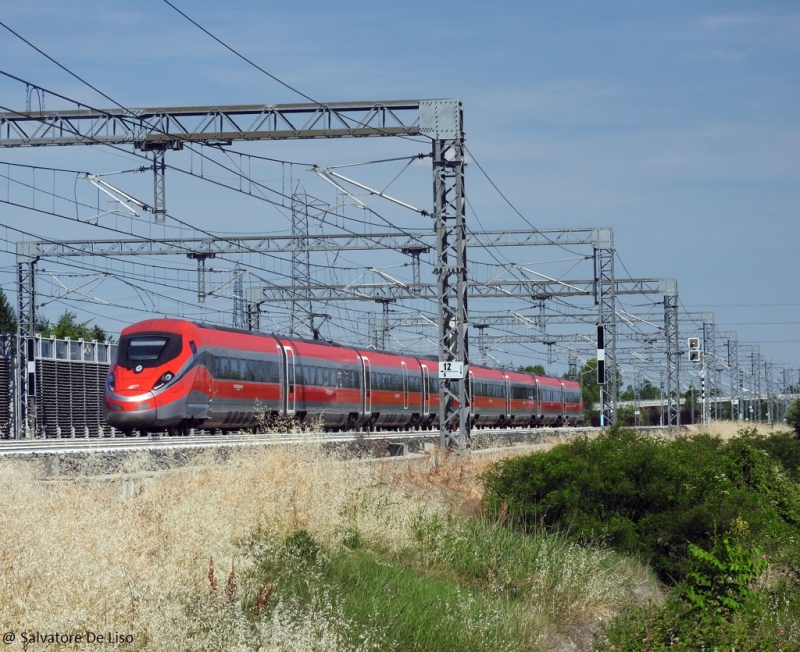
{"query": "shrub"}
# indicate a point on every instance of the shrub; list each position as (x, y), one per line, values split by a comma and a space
(793, 416)
(715, 608)
(718, 582)
(782, 446)
(649, 496)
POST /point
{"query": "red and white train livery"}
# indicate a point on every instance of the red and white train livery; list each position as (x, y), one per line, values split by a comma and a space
(172, 374)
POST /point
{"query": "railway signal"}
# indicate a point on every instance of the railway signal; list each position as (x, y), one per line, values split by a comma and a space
(694, 349)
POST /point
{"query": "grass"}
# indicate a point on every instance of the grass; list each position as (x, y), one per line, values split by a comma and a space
(394, 559)
(730, 429)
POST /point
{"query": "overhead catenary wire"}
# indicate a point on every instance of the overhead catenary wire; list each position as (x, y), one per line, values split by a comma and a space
(307, 97)
(244, 58)
(243, 176)
(251, 63)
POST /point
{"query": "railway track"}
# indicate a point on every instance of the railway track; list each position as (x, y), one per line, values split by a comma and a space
(481, 437)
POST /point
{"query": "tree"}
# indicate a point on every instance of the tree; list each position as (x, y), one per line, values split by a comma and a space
(647, 392)
(67, 326)
(534, 369)
(628, 395)
(793, 416)
(8, 318)
(587, 377)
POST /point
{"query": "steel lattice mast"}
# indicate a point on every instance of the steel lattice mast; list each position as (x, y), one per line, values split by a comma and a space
(671, 334)
(445, 125)
(606, 326)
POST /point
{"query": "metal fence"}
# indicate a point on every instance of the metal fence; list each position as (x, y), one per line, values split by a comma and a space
(70, 378)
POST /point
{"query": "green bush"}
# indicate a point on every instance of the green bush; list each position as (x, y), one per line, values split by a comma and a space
(793, 416)
(715, 608)
(766, 624)
(782, 446)
(649, 496)
(718, 582)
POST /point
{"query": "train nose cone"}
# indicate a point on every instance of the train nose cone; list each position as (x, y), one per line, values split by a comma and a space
(130, 412)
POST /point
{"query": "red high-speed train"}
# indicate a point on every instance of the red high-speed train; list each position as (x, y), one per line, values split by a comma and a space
(172, 374)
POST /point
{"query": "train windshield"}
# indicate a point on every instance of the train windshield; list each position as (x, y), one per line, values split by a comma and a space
(145, 349)
(148, 349)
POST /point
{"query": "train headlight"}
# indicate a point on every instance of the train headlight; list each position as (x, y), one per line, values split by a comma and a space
(110, 381)
(166, 377)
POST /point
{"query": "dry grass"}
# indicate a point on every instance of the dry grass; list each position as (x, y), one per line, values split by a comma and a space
(88, 555)
(729, 429)
(452, 480)
(106, 557)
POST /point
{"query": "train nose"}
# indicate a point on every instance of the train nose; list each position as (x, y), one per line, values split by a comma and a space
(129, 413)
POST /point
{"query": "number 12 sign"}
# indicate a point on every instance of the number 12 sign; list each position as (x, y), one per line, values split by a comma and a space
(451, 369)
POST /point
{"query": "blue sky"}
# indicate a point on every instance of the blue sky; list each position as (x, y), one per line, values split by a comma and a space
(675, 123)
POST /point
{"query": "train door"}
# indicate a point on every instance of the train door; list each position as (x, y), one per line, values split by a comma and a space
(405, 385)
(426, 391)
(563, 402)
(367, 403)
(281, 378)
(471, 393)
(290, 393)
(508, 395)
(538, 400)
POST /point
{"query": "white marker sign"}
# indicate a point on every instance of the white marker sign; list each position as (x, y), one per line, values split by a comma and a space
(451, 369)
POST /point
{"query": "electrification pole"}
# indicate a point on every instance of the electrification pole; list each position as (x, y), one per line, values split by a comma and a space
(443, 122)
